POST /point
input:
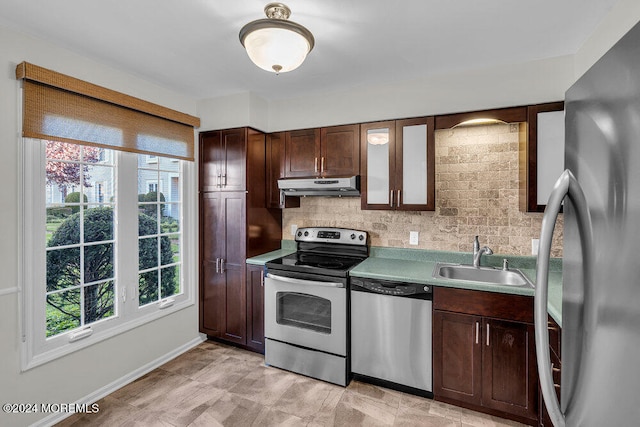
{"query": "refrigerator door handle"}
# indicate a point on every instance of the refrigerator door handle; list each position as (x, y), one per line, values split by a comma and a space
(566, 185)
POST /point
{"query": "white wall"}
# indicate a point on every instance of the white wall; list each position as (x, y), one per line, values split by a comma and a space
(243, 109)
(623, 16)
(68, 379)
(504, 86)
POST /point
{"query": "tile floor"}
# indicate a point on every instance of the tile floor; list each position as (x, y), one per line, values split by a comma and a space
(218, 385)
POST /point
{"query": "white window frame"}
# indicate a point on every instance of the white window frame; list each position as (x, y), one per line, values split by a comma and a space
(37, 349)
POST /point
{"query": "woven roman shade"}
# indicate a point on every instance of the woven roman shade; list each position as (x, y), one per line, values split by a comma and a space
(63, 108)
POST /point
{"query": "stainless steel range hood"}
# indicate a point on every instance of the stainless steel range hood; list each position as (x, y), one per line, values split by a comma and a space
(336, 187)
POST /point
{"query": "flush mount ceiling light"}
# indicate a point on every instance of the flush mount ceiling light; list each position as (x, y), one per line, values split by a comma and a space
(276, 44)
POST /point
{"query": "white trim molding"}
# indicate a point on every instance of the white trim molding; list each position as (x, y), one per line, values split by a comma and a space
(102, 392)
(9, 291)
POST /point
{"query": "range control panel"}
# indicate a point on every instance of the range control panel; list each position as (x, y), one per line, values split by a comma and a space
(332, 235)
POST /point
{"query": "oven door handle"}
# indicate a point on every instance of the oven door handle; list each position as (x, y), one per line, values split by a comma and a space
(305, 281)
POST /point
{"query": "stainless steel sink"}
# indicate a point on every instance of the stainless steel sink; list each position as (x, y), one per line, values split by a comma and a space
(489, 275)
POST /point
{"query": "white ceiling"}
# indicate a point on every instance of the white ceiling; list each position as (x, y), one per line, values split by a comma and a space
(192, 46)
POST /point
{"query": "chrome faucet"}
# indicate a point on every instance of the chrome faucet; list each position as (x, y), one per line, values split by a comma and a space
(478, 252)
(476, 247)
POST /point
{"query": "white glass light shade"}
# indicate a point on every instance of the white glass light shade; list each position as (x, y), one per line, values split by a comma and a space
(276, 49)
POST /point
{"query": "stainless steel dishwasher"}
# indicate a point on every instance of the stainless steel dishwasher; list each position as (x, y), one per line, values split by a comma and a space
(391, 328)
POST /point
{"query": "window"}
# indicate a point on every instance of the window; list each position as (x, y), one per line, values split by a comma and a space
(104, 255)
(80, 241)
(158, 235)
(100, 254)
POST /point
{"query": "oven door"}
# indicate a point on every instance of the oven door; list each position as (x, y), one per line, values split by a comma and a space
(306, 312)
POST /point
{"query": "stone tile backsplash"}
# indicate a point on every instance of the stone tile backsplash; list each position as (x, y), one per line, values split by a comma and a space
(477, 191)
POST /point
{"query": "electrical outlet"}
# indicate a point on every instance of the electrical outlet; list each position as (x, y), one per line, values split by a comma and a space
(294, 228)
(413, 237)
(535, 244)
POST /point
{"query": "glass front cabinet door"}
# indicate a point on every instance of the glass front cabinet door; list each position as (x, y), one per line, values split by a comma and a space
(398, 164)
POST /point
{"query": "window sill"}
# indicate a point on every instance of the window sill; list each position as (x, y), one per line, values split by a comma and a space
(31, 361)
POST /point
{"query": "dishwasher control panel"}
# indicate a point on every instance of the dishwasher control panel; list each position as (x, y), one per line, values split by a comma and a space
(385, 287)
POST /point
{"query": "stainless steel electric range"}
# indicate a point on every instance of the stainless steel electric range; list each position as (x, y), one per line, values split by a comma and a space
(307, 303)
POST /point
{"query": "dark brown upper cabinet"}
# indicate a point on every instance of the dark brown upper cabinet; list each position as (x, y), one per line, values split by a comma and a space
(223, 159)
(398, 164)
(541, 155)
(275, 170)
(326, 152)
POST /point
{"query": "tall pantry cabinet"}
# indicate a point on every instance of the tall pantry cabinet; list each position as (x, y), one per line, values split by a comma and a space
(234, 224)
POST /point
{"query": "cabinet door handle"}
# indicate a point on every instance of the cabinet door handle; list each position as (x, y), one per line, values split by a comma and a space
(262, 277)
(477, 332)
(281, 204)
(219, 181)
(488, 334)
(322, 164)
(391, 198)
(221, 265)
(399, 199)
(315, 165)
(224, 182)
(217, 265)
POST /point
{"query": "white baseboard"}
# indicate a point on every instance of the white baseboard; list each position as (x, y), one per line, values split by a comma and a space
(121, 382)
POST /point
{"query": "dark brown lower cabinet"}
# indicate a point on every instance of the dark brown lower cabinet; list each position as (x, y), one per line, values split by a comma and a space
(457, 357)
(509, 368)
(255, 307)
(484, 353)
(223, 290)
(556, 365)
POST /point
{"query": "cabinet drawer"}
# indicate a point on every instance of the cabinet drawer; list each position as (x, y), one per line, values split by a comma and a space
(490, 304)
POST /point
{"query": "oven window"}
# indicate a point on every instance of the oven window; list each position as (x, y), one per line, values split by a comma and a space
(303, 311)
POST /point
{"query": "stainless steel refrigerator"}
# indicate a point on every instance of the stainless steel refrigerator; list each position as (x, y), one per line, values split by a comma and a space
(600, 378)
